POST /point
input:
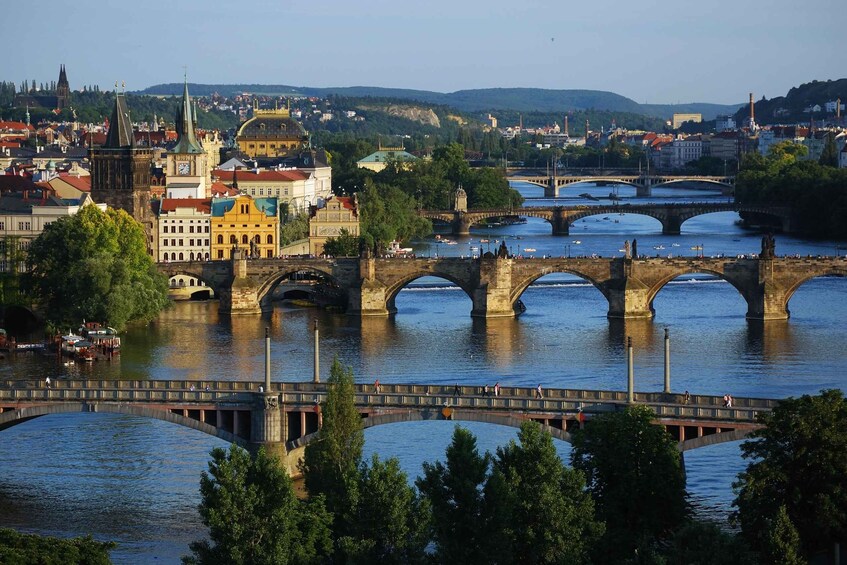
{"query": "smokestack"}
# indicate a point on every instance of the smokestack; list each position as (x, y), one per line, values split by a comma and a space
(586, 130)
(566, 126)
(752, 110)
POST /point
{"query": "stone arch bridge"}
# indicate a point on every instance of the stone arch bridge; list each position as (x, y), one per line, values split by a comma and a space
(284, 418)
(368, 286)
(642, 183)
(671, 216)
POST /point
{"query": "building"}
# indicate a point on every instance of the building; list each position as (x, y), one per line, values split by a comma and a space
(24, 215)
(682, 151)
(679, 119)
(270, 133)
(71, 186)
(184, 229)
(185, 169)
(243, 222)
(59, 99)
(295, 190)
(120, 171)
(724, 146)
(338, 214)
(380, 158)
(725, 123)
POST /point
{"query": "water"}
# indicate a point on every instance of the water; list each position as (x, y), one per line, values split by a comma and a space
(135, 481)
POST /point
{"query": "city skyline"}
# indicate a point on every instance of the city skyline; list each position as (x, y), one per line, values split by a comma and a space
(648, 52)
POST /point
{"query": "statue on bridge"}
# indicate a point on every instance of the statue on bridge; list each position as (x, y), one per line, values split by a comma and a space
(768, 247)
(503, 251)
(627, 253)
(634, 248)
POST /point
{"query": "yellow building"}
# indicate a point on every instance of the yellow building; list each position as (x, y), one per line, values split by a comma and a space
(339, 213)
(270, 133)
(679, 119)
(242, 222)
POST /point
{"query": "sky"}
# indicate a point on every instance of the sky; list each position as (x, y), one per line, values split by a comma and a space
(653, 51)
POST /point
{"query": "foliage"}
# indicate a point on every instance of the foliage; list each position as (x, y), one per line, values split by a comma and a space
(455, 492)
(386, 213)
(294, 229)
(332, 459)
(783, 542)
(345, 245)
(94, 266)
(253, 515)
(634, 472)
(816, 194)
(391, 521)
(705, 543)
(30, 549)
(537, 509)
(798, 462)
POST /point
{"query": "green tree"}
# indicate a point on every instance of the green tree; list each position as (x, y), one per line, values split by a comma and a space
(455, 493)
(705, 543)
(345, 245)
(829, 155)
(94, 266)
(331, 461)
(537, 509)
(634, 472)
(387, 213)
(294, 229)
(391, 521)
(783, 542)
(798, 461)
(253, 516)
(30, 549)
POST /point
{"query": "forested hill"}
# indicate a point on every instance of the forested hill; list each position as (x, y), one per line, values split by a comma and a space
(789, 108)
(516, 99)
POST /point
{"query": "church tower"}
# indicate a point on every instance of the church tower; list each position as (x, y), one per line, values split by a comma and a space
(63, 90)
(186, 162)
(120, 170)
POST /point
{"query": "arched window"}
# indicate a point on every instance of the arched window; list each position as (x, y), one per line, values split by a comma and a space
(220, 239)
(270, 254)
(257, 238)
(180, 256)
(191, 258)
(270, 239)
(191, 282)
(207, 256)
(233, 240)
(181, 282)
(173, 283)
(244, 239)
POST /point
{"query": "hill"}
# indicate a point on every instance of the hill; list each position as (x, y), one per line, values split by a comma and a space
(789, 108)
(477, 100)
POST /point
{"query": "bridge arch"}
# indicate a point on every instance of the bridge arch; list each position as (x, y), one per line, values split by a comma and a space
(270, 283)
(12, 418)
(824, 272)
(521, 285)
(187, 272)
(395, 287)
(692, 270)
(669, 182)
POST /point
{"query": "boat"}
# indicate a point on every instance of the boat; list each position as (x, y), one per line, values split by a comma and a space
(658, 247)
(576, 242)
(452, 242)
(588, 196)
(101, 337)
(483, 241)
(674, 245)
(394, 249)
(529, 249)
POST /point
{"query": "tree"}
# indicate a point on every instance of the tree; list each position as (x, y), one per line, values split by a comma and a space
(829, 154)
(798, 462)
(783, 542)
(345, 245)
(294, 229)
(537, 510)
(253, 516)
(94, 266)
(331, 461)
(455, 493)
(634, 472)
(705, 543)
(31, 549)
(391, 521)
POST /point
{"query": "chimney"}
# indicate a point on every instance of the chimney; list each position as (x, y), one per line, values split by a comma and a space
(566, 126)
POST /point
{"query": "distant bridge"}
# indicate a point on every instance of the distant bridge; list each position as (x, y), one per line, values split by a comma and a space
(642, 183)
(368, 286)
(284, 417)
(671, 216)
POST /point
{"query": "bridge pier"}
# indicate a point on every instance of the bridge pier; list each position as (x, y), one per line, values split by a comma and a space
(492, 298)
(551, 190)
(242, 297)
(768, 300)
(672, 225)
(644, 188)
(629, 297)
(370, 298)
(561, 225)
(460, 224)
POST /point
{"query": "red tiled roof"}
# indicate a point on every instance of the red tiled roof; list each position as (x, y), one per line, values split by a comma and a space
(82, 184)
(16, 126)
(346, 201)
(220, 189)
(202, 205)
(9, 144)
(265, 176)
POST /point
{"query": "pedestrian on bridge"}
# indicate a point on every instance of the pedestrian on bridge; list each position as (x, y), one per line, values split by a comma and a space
(47, 382)
(538, 392)
(376, 386)
(457, 391)
(485, 390)
(497, 388)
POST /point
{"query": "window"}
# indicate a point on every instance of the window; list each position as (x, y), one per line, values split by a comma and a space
(190, 229)
(270, 254)
(164, 243)
(2, 225)
(244, 239)
(180, 256)
(181, 244)
(258, 239)
(180, 229)
(206, 229)
(165, 229)
(173, 243)
(233, 240)
(191, 244)
(220, 253)
(270, 239)
(220, 239)
(206, 242)
(191, 258)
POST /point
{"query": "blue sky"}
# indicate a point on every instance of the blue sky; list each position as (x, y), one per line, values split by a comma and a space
(649, 50)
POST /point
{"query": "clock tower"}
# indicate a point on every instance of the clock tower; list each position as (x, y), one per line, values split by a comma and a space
(186, 162)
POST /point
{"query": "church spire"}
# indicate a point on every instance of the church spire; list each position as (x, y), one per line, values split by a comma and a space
(120, 127)
(186, 139)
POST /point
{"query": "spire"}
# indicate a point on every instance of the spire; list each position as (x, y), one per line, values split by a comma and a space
(120, 127)
(63, 77)
(186, 140)
(235, 177)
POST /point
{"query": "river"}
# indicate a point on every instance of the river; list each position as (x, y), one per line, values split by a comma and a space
(135, 481)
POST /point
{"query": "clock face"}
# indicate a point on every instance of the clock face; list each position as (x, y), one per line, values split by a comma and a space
(183, 168)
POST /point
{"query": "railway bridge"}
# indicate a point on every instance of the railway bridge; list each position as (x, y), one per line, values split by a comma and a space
(642, 183)
(368, 286)
(284, 416)
(671, 216)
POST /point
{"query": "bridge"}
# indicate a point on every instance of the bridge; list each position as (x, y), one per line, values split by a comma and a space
(368, 286)
(671, 216)
(642, 183)
(283, 417)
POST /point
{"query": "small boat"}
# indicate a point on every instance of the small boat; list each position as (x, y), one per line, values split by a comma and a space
(588, 196)
(483, 241)
(674, 245)
(576, 242)
(529, 249)
(658, 247)
(452, 242)
(696, 247)
(605, 217)
(394, 249)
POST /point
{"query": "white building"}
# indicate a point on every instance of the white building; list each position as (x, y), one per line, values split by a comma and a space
(683, 151)
(725, 123)
(184, 226)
